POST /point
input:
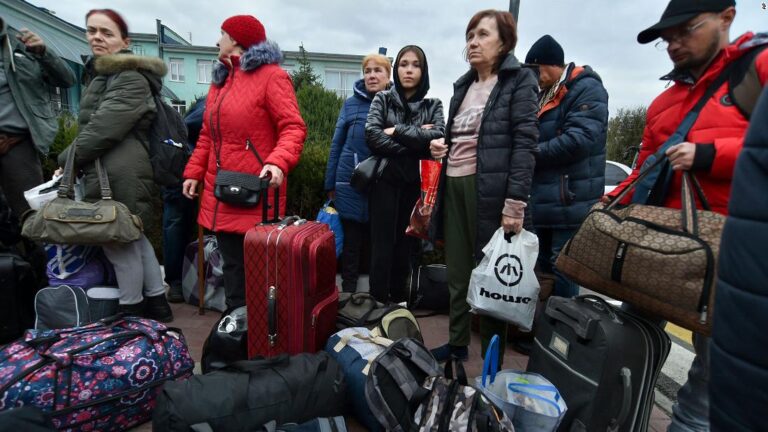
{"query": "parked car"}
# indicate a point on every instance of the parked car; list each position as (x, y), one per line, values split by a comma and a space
(615, 173)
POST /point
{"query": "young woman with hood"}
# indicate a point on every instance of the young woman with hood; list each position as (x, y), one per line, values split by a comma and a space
(348, 148)
(401, 123)
(252, 125)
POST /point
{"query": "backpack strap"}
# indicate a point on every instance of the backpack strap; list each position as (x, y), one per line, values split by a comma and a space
(744, 86)
(652, 190)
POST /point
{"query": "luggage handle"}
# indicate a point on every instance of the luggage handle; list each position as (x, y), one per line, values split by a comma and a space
(566, 312)
(265, 202)
(603, 306)
(272, 316)
(626, 401)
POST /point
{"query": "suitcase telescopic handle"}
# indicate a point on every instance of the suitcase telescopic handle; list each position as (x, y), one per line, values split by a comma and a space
(567, 312)
(265, 202)
(272, 315)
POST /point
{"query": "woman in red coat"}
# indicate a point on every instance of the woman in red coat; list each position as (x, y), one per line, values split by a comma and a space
(252, 122)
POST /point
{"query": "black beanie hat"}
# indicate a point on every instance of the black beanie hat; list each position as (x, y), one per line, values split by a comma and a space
(546, 51)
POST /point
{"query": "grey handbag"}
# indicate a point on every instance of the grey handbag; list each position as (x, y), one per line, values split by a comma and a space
(61, 307)
(367, 173)
(66, 221)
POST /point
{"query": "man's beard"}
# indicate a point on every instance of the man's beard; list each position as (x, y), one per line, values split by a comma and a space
(692, 63)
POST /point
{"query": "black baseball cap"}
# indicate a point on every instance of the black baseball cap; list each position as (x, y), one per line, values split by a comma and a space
(679, 12)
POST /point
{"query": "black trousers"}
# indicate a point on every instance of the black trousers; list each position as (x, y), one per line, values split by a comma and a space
(231, 248)
(392, 251)
(20, 170)
(355, 242)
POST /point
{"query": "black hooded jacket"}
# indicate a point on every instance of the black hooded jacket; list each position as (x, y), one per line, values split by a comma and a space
(410, 142)
(506, 147)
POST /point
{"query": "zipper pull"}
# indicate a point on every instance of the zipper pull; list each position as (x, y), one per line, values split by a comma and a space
(620, 251)
(247, 143)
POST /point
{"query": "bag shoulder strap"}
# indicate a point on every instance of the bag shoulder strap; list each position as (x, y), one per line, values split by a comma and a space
(744, 86)
(690, 119)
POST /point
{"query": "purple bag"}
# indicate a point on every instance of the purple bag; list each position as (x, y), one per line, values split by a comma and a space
(215, 298)
(101, 377)
(97, 271)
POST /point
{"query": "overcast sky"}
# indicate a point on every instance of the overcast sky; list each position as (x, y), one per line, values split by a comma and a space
(600, 33)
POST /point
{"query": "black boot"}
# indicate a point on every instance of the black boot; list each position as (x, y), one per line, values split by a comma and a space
(158, 308)
(136, 309)
(175, 294)
(444, 352)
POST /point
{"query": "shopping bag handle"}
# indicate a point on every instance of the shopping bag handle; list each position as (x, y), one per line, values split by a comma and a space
(491, 360)
(512, 388)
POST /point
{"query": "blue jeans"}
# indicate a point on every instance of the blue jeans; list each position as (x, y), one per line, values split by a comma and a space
(691, 411)
(178, 230)
(551, 241)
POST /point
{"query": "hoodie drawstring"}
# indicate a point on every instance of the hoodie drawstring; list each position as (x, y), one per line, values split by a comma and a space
(10, 51)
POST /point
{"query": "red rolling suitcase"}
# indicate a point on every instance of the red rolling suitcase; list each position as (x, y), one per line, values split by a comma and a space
(290, 286)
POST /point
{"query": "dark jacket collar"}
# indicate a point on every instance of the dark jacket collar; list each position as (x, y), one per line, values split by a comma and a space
(509, 65)
(258, 55)
(586, 72)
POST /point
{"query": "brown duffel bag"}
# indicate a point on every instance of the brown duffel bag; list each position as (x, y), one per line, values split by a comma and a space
(661, 260)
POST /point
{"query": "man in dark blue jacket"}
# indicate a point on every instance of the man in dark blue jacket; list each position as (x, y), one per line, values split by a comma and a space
(739, 349)
(179, 214)
(570, 165)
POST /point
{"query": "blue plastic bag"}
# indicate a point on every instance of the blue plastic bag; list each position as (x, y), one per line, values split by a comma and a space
(329, 215)
(530, 400)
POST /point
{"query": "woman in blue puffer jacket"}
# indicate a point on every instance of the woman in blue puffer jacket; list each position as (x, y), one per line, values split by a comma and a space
(347, 149)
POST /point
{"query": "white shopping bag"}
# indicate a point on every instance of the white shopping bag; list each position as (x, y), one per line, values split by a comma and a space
(39, 195)
(504, 285)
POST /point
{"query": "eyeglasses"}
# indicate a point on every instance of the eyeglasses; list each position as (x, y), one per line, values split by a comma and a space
(680, 36)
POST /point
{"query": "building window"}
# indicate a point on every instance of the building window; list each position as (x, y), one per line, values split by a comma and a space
(59, 99)
(137, 49)
(176, 66)
(288, 67)
(179, 106)
(341, 81)
(204, 71)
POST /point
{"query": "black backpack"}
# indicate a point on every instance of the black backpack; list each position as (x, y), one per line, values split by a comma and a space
(393, 388)
(168, 144)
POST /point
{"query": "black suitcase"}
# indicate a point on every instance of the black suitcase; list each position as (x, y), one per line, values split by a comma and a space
(605, 363)
(18, 286)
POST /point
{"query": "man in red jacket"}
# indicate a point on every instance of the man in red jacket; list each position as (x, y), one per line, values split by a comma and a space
(695, 34)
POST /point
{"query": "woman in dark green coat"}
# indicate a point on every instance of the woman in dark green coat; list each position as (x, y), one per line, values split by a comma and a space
(116, 111)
